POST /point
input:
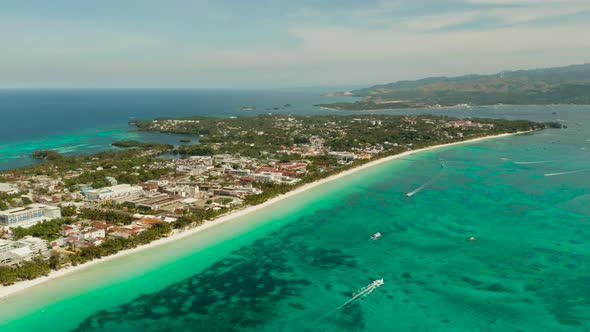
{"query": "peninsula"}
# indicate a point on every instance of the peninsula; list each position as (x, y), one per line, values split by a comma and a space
(71, 210)
(561, 85)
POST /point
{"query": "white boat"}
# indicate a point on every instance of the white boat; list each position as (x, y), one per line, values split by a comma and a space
(368, 289)
(376, 236)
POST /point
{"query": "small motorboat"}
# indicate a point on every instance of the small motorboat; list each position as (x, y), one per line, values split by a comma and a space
(376, 236)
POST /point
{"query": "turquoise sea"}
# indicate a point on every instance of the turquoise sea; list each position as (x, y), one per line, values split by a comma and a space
(526, 200)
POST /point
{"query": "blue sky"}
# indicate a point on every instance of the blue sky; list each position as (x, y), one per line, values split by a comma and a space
(280, 43)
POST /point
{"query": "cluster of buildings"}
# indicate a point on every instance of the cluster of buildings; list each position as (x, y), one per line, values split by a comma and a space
(82, 233)
(463, 124)
(170, 124)
(15, 252)
(85, 233)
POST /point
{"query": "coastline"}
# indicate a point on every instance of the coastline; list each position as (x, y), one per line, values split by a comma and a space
(13, 290)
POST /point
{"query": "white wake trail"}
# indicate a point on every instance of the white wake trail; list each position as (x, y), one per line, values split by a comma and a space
(533, 162)
(429, 182)
(564, 173)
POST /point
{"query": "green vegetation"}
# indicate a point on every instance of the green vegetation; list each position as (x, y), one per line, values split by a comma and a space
(47, 230)
(115, 217)
(142, 145)
(68, 211)
(8, 201)
(564, 85)
(91, 170)
(26, 271)
(196, 150)
(254, 136)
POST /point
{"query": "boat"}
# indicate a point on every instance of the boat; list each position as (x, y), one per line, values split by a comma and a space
(376, 236)
(368, 289)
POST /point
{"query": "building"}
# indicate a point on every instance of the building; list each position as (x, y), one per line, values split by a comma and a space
(268, 177)
(5, 246)
(8, 188)
(117, 191)
(343, 155)
(182, 190)
(14, 252)
(29, 215)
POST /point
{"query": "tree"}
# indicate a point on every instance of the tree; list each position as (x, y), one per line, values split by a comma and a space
(55, 261)
(68, 211)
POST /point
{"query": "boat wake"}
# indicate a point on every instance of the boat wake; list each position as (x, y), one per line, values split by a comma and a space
(564, 173)
(532, 162)
(422, 187)
(356, 296)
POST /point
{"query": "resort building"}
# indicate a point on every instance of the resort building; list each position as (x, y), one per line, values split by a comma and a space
(343, 155)
(268, 177)
(29, 215)
(112, 192)
(25, 249)
(8, 188)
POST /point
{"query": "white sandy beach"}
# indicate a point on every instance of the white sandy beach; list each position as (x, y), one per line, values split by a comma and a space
(6, 291)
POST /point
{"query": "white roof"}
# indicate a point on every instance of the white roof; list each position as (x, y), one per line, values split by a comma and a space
(22, 251)
(7, 187)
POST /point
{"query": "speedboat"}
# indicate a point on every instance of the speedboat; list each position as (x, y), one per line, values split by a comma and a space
(376, 236)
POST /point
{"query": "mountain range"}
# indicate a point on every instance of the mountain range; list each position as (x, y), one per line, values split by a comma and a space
(559, 85)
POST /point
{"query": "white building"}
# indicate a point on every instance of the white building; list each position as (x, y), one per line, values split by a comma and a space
(343, 155)
(268, 177)
(182, 190)
(8, 188)
(29, 215)
(120, 190)
(25, 249)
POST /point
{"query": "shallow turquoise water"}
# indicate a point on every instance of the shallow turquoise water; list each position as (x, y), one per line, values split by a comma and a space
(282, 269)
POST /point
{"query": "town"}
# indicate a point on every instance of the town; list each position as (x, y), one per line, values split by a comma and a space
(72, 209)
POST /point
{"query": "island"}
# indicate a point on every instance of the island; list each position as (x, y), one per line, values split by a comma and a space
(46, 154)
(91, 206)
(561, 85)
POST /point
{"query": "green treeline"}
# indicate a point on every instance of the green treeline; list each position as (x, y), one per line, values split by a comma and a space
(141, 145)
(47, 230)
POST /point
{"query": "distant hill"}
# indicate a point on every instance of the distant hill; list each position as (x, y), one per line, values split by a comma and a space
(561, 85)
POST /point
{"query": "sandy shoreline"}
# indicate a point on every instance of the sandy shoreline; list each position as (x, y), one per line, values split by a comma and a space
(6, 291)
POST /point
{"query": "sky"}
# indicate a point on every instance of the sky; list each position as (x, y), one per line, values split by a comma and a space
(280, 43)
